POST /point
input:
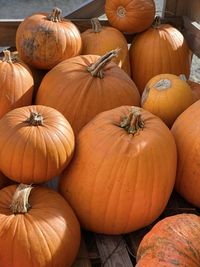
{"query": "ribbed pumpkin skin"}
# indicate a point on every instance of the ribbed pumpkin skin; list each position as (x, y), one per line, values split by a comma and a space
(16, 86)
(34, 154)
(109, 38)
(79, 96)
(195, 90)
(173, 241)
(167, 96)
(138, 16)
(186, 131)
(43, 43)
(113, 174)
(47, 236)
(169, 54)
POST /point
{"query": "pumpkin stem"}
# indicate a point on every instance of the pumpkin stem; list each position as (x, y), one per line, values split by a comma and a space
(55, 15)
(121, 12)
(10, 57)
(96, 25)
(96, 69)
(35, 119)
(20, 199)
(133, 122)
(183, 77)
(156, 22)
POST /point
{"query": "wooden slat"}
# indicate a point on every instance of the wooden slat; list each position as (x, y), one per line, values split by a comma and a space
(112, 250)
(82, 259)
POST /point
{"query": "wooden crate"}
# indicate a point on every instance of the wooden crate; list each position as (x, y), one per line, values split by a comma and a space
(103, 250)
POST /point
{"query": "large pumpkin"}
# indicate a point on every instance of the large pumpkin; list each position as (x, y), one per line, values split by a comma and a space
(161, 49)
(43, 40)
(84, 86)
(186, 131)
(16, 83)
(167, 96)
(173, 241)
(130, 15)
(99, 40)
(36, 142)
(123, 171)
(38, 228)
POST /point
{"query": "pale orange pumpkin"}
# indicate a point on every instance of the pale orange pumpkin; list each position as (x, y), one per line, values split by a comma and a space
(161, 49)
(38, 228)
(16, 83)
(130, 15)
(123, 171)
(43, 40)
(100, 39)
(167, 96)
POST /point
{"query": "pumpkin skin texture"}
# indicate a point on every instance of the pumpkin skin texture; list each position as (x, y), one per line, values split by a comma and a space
(16, 83)
(44, 40)
(100, 39)
(130, 15)
(107, 183)
(173, 241)
(35, 153)
(169, 54)
(195, 90)
(186, 132)
(167, 96)
(47, 235)
(71, 89)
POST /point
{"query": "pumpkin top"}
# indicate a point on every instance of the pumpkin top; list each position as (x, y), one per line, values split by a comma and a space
(55, 15)
(132, 122)
(10, 57)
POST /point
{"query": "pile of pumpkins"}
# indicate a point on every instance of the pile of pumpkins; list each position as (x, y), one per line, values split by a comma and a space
(119, 127)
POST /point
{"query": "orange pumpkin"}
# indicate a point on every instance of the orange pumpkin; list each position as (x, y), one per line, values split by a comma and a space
(186, 131)
(161, 49)
(43, 40)
(130, 15)
(36, 142)
(173, 241)
(167, 96)
(99, 40)
(84, 86)
(16, 83)
(114, 183)
(195, 90)
(38, 228)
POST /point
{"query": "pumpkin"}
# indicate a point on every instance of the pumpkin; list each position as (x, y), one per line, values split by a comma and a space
(43, 40)
(38, 228)
(84, 86)
(16, 83)
(167, 96)
(4, 181)
(195, 89)
(130, 15)
(36, 142)
(159, 50)
(100, 39)
(173, 241)
(186, 131)
(115, 171)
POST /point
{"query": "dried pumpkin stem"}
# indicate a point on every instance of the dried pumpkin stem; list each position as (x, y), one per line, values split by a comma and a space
(96, 25)
(96, 69)
(156, 22)
(35, 119)
(20, 199)
(133, 122)
(10, 57)
(55, 15)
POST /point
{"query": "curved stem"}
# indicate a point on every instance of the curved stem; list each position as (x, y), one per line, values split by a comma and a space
(96, 69)
(35, 119)
(133, 122)
(156, 22)
(96, 25)
(55, 15)
(10, 57)
(20, 199)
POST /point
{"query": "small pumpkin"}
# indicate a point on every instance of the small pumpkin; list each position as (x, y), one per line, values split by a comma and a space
(43, 40)
(169, 54)
(186, 131)
(167, 96)
(173, 241)
(83, 86)
(36, 142)
(130, 15)
(16, 83)
(115, 171)
(195, 90)
(38, 228)
(100, 39)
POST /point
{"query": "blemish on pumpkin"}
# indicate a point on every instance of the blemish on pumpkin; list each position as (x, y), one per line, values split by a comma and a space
(145, 95)
(30, 46)
(163, 84)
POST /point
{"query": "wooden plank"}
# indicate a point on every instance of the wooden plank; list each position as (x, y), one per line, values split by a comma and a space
(112, 250)
(82, 259)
